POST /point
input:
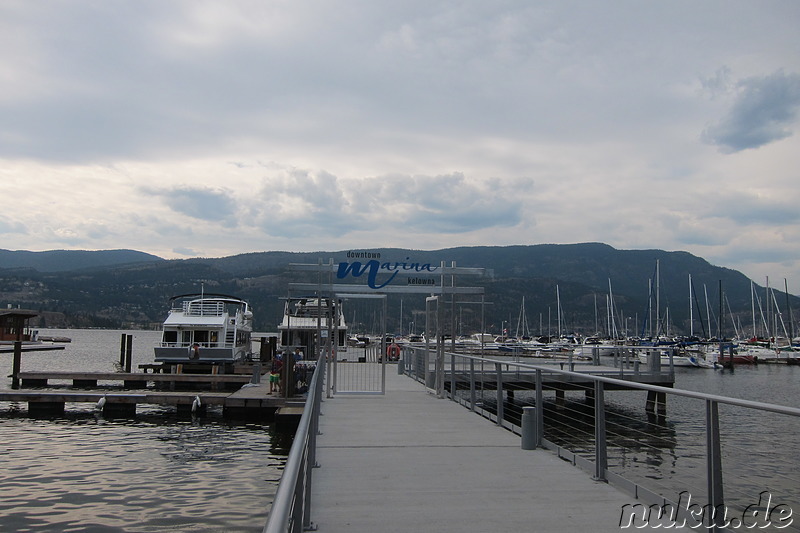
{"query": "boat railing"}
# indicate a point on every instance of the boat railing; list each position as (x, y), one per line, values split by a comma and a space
(203, 308)
(187, 345)
(291, 508)
(715, 464)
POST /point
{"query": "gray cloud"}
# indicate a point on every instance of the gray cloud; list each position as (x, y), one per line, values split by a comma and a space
(214, 205)
(764, 111)
(749, 208)
(7, 226)
(445, 203)
(301, 202)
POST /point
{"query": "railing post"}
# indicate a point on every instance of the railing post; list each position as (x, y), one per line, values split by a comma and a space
(600, 455)
(453, 376)
(499, 371)
(472, 384)
(714, 467)
(539, 408)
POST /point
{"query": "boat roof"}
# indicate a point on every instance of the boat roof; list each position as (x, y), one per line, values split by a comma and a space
(179, 319)
(25, 313)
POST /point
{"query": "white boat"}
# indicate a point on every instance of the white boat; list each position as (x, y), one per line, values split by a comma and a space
(302, 317)
(205, 328)
(590, 344)
(678, 359)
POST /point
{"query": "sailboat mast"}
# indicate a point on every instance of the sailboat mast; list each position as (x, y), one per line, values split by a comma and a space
(558, 310)
(658, 298)
(789, 311)
(691, 309)
(769, 313)
(753, 308)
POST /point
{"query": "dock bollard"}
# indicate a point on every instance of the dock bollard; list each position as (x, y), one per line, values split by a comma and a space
(529, 428)
(401, 367)
(256, 378)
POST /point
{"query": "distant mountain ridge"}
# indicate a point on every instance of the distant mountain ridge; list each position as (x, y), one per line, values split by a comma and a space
(66, 260)
(125, 288)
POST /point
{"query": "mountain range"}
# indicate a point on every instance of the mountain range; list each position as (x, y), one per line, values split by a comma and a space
(596, 287)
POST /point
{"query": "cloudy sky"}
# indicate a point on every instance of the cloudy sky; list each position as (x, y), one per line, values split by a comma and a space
(208, 128)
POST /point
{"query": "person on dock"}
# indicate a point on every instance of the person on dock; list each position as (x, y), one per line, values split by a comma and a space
(275, 373)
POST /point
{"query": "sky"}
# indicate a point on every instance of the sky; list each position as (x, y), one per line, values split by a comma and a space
(206, 129)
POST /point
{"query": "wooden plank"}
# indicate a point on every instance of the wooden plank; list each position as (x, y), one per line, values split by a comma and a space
(135, 376)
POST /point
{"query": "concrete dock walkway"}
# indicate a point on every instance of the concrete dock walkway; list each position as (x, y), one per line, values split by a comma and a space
(410, 462)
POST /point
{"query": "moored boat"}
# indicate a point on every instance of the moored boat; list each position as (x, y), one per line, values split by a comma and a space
(303, 317)
(205, 328)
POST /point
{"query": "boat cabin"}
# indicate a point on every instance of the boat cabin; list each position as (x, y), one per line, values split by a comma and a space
(15, 326)
(303, 316)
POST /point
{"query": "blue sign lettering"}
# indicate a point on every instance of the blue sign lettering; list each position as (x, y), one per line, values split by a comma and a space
(373, 267)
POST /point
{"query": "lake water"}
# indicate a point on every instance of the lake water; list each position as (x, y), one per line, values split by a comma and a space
(157, 472)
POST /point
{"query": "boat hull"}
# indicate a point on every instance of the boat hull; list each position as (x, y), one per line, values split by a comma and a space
(181, 354)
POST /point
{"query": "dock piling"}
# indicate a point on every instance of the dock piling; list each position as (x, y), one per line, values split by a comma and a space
(128, 353)
(16, 365)
(529, 437)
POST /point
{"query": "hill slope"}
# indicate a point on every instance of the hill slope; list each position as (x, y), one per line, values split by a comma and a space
(65, 260)
(586, 276)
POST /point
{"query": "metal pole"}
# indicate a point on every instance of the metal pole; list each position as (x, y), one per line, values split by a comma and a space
(714, 467)
(453, 376)
(499, 371)
(439, 349)
(472, 384)
(539, 409)
(600, 454)
(383, 347)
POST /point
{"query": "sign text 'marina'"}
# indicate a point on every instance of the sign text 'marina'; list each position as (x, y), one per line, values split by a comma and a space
(373, 267)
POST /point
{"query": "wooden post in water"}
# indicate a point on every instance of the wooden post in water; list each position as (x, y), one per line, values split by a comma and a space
(122, 342)
(17, 364)
(128, 353)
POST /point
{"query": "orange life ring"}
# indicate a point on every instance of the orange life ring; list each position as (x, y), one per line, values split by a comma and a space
(393, 352)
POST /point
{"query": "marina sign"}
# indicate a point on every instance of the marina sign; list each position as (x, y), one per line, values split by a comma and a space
(406, 276)
(373, 267)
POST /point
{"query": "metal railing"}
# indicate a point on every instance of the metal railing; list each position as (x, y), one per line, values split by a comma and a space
(710, 449)
(291, 508)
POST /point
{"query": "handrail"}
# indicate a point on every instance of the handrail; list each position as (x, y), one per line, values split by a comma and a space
(463, 376)
(782, 409)
(290, 510)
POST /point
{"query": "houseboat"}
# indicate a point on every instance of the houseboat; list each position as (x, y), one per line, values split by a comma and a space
(302, 317)
(205, 328)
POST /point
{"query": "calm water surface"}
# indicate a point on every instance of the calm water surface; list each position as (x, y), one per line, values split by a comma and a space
(154, 473)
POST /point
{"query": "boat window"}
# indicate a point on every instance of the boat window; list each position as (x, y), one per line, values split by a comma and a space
(201, 336)
(187, 337)
(214, 338)
(170, 337)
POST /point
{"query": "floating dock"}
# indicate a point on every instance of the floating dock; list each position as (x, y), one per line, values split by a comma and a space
(252, 400)
(407, 461)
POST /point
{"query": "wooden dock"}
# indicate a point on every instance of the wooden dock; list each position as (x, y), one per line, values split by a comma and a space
(129, 379)
(252, 400)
